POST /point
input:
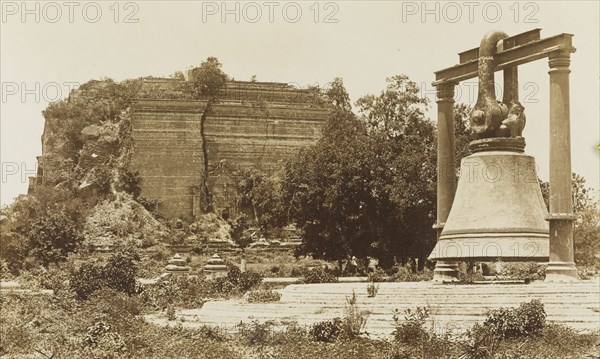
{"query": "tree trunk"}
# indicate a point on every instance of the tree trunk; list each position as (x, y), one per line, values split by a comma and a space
(243, 262)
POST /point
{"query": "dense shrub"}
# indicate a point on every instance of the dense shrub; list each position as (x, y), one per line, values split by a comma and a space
(52, 237)
(524, 271)
(223, 286)
(243, 280)
(263, 296)
(5, 273)
(256, 333)
(378, 276)
(16, 336)
(470, 277)
(179, 291)
(171, 314)
(56, 276)
(326, 331)
(405, 275)
(119, 273)
(350, 326)
(293, 333)
(318, 275)
(412, 329)
(480, 343)
(86, 280)
(296, 272)
(14, 251)
(100, 339)
(526, 320)
(208, 78)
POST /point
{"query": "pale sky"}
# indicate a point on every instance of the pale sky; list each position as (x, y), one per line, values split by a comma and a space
(47, 47)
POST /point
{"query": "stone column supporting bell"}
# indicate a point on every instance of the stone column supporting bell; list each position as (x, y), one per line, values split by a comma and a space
(446, 175)
(561, 266)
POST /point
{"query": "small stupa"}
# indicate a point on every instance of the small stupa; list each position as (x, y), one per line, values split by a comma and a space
(215, 267)
(177, 265)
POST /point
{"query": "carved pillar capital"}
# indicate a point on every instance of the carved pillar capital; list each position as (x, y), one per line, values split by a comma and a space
(445, 92)
(559, 61)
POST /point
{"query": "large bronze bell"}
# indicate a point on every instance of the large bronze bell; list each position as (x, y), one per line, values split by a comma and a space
(498, 210)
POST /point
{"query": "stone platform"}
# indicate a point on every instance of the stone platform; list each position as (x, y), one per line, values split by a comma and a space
(456, 307)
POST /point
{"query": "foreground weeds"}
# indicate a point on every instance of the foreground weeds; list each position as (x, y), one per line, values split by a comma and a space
(109, 324)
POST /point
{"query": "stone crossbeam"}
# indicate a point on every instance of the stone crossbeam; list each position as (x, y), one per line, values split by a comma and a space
(508, 57)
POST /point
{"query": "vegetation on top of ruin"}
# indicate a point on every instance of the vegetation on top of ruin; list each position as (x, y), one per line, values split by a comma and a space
(208, 78)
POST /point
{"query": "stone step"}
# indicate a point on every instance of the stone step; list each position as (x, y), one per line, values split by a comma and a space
(376, 326)
(440, 300)
(455, 306)
(591, 286)
(579, 313)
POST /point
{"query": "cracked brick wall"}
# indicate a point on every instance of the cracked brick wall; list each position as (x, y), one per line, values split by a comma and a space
(182, 144)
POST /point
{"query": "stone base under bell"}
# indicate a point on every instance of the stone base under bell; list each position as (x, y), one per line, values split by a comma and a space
(561, 272)
(446, 272)
(489, 247)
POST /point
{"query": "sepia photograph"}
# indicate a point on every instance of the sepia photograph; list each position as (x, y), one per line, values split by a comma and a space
(300, 179)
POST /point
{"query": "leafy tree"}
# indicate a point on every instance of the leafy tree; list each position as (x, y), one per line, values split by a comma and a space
(246, 189)
(208, 78)
(239, 227)
(334, 95)
(587, 228)
(338, 96)
(263, 196)
(367, 188)
(49, 218)
(269, 203)
(329, 190)
(406, 149)
(394, 107)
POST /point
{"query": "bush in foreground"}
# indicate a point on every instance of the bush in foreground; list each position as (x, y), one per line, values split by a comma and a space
(263, 296)
(119, 273)
(318, 275)
(526, 320)
(528, 272)
(326, 331)
(352, 325)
